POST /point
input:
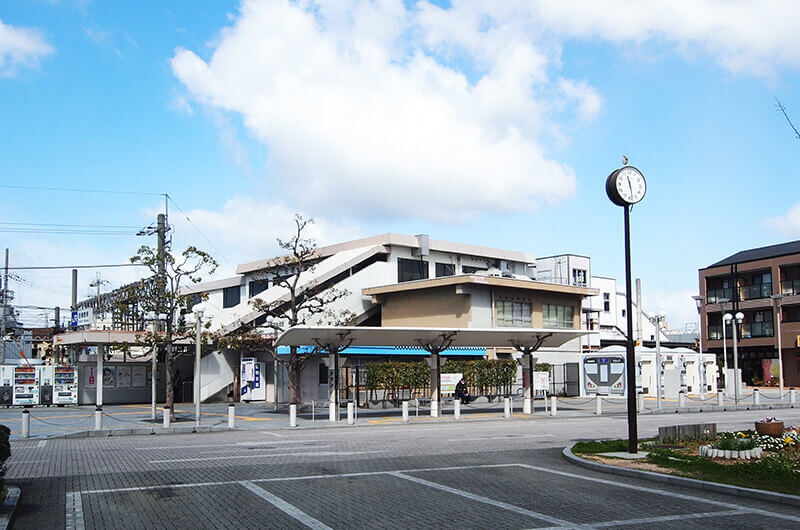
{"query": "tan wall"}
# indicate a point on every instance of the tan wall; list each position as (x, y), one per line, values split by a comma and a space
(431, 308)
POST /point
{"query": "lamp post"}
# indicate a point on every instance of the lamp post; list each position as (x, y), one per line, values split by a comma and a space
(701, 366)
(778, 299)
(198, 317)
(722, 302)
(657, 319)
(738, 320)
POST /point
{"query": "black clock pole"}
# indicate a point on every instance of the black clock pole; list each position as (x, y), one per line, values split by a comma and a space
(633, 441)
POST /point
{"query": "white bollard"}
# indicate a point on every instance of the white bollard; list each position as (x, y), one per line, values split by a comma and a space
(292, 415)
(332, 412)
(26, 424)
(792, 396)
(434, 409)
(351, 414)
(98, 418)
(640, 402)
(231, 416)
(553, 407)
(598, 405)
(405, 411)
(506, 407)
(167, 417)
(756, 397)
(457, 409)
(681, 400)
(526, 406)
(719, 398)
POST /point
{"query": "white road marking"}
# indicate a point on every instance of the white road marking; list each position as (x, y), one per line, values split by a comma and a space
(667, 518)
(250, 451)
(486, 500)
(74, 511)
(511, 437)
(268, 455)
(285, 507)
(41, 443)
(237, 444)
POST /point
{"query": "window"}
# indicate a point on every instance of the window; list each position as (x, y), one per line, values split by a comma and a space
(606, 302)
(257, 286)
(411, 269)
(579, 277)
(469, 269)
(231, 296)
(557, 316)
(623, 313)
(445, 269)
(513, 314)
(323, 374)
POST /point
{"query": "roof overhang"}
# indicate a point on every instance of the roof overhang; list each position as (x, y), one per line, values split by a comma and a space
(475, 279)
(409, 336)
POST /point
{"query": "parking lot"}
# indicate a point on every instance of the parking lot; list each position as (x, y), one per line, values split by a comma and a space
(474, 474)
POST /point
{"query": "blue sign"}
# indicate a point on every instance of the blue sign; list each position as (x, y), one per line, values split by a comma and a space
(73, 319)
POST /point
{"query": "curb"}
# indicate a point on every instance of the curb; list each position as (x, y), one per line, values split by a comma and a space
(7, 510)
(103, 433)
(717, 408)
(737, 491)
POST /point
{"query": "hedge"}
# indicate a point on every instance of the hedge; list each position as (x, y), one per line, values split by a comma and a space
(5, 451)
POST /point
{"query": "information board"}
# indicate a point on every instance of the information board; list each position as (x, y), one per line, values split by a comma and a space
(448, 382)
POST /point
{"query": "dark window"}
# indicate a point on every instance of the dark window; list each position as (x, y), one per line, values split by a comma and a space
(469, 269)
(606, 302)
(579, 277)
(411, 269)
(445, 269)
(791, 313)
(323, 374)
(231, 296)
(257, 286)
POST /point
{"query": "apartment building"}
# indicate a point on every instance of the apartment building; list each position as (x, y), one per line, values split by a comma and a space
(755, 282)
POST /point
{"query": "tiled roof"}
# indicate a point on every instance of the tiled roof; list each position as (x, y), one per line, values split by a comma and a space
(754, 254)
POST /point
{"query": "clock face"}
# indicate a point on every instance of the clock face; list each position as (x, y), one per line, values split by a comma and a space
(630, 185)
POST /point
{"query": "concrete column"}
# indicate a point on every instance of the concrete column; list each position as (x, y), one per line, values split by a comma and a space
(98, 418)
(681, 399)
(527, 407)
(756, 397)
(435, 364)
(332, 411)
(792, 396)
(527, 359)
(457, 409)
(405, 411)
(640, 402)
(231, 416)
(26, 424)
(292, 415)
(98, 400)
(553, 406)
(720, 396)
(351, 414)
(434, 409)
(598, 405)
(506, 407)
(166, 415)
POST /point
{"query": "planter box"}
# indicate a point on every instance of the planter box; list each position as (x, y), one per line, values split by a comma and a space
(772, 428)
(749, 454)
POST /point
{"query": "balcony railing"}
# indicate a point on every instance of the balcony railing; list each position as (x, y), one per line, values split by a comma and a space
(715, 294)
(753, 292)
(757, 329)
(790, 287)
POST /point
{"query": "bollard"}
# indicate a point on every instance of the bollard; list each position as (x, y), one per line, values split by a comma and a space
(756, 397)
(526, 406)
(792, 396)
(405, 411)
(553, 407)
(332, 411)
(434, 409)
(719, 398)
(231, 416)
(167, 417)
(598, 404)
(351, 414)
(506, 407)
(457, 409)
(292, 415)
(26, 424)
(98, 418)
(681, 400)
(640, 402)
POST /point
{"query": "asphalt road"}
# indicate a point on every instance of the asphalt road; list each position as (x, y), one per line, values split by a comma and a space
(472, 474)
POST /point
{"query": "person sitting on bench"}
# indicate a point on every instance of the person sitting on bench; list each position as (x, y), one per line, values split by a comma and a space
(461, 391)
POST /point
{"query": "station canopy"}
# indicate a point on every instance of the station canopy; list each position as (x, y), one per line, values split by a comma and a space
(415, 336)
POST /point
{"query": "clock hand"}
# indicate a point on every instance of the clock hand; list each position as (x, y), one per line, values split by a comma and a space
(629, 185)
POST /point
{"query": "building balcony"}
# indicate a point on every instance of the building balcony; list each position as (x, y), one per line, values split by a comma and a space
(790, 287)
(747, 330)
(754, 292)
(716, 294)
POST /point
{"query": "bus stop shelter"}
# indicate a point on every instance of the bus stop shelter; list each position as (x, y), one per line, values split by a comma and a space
(334, 340)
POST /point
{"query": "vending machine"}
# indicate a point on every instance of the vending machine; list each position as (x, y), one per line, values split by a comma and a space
(254, 386)
(6, 385)
(26, 385)
(65, 385)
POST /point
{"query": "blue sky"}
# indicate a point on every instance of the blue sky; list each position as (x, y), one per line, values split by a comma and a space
(489, 125)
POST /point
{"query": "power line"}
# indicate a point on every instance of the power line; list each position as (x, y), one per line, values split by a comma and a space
(79, 190)
(195, 227)
(66, 232)
(68, 225)
(53, 267)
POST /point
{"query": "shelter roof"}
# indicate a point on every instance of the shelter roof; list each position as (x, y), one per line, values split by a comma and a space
(477, 279)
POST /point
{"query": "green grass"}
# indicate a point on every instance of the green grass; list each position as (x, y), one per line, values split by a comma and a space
(605, 446)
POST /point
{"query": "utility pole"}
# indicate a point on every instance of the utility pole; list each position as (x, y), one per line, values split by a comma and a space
(161, 231)
(5, 307)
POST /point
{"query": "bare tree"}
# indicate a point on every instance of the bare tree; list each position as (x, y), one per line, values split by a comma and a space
(166, 299)
(306, 303)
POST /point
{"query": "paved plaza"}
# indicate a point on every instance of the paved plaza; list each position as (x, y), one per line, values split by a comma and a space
(469, 474)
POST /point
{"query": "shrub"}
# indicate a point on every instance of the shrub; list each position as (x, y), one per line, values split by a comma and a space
(5, 450)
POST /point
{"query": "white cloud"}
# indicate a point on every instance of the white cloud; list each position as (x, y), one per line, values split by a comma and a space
(21, 47)
(589, 102)
(679, 306)
(788, 223)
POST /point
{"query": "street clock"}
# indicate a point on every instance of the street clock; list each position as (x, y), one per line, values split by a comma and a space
(626, 186)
